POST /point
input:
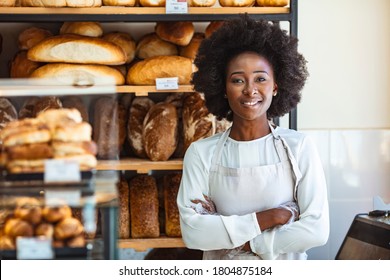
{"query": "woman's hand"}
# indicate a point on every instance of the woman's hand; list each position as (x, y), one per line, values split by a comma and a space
(285, 213)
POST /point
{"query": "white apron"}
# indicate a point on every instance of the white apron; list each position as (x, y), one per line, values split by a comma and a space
(240, 191)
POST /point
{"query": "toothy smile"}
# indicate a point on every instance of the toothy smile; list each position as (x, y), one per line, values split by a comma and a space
(251, 103)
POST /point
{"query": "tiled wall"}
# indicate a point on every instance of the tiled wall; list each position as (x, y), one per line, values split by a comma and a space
(357, 168)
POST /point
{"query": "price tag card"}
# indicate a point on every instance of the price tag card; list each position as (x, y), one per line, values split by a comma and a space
(62, 197)
(167, 83)
(61, 171)
(176, 7)
(38, 248)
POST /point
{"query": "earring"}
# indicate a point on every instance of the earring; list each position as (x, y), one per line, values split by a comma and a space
(275, 93)
(225, 96)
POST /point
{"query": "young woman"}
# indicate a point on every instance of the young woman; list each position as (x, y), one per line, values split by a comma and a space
(256, 191)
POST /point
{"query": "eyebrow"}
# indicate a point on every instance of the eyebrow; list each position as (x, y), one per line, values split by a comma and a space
(240, 72)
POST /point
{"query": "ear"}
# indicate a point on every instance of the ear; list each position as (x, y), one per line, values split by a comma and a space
(275, 87)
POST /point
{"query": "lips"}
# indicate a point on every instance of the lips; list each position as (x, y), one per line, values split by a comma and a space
(250, 102)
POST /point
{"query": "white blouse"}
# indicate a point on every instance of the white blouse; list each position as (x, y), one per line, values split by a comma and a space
(214, 232)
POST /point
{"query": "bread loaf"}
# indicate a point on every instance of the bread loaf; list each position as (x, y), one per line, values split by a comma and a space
(46, 103)
(177, 100)
(172, 218)
(124, 210)
(137, 112)
(61, 3)
(7, 112)
(124, 41)
(84, 28)
(236, 3)
(198, 123)
(70, 48)
(146, 71)
(75, 102)
(109, 128)
(126, 3)
(151, 45)
(272, 3)
(78, 74)
(201, 3)
(160, 131)
(144, 207)
(31, 36)
(21, 66)
(29, 151)
(152, 3)
(212, 26)
(177, 32)
(7, 3)
(191, 49)
(26, 111)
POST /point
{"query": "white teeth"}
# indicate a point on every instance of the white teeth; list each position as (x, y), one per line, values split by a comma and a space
(250, 103)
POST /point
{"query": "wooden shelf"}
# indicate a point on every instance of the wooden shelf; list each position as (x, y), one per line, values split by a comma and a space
(145, 90)
(142, 244)
(140, 165)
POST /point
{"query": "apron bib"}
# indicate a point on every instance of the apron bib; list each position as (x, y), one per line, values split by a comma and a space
(240, 191)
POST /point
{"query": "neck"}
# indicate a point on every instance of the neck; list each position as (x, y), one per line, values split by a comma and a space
(249, 130)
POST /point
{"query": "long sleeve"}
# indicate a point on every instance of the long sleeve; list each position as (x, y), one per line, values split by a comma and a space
(312, 228)
(208, 232)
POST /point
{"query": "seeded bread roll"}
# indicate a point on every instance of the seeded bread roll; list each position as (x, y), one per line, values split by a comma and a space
(124, 210)
(85, 28)
(171, 185)
(151, 45)
(137, 112)
(70, 48)
(31, 36)
(144, 207)
(124, 41)
(146, 71)
(177, 32)
(22, 67)
(160, 131)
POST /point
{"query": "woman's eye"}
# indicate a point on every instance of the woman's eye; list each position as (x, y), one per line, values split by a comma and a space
(237, 81)
(260, 79)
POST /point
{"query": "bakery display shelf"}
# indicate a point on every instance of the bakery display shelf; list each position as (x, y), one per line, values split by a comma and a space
(111, 13)
(140, 165)
(145, 90)
(142, 244)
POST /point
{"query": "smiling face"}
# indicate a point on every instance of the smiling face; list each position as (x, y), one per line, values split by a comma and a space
(249, 86)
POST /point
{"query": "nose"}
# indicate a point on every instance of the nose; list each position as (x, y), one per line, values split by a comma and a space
(250, 89)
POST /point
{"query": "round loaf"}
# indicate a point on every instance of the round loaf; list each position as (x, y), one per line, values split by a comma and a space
(31, 36)
(201, 3)
(177, 32)
(78, 74)
(68, 228)
(7, 112)
(15, 227)
(55, 214)
(7, 3)
(125, 3)
(123, 40)
(211, 27)
(151, 45)
(160, 131)
(152, 3)
(236, 3)
(137, 112)
(146, 71)
(46, 103)
(84, 28)
(21, 66)
(45, 229)
(26, 111)
(191, 49)
(272, 3)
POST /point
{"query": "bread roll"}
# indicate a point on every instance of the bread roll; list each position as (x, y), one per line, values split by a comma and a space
(236, 3)
(152, 3)
(146, 71)
(68, 228)
(201, 3)
(212, 26)
(21, 135)
(144, 207)
(83, 3)
(29, 210)
(73, 132)
(160, 131)
(109, 128)
(61, 3)
(76, 242)
(198, 123)
(177, 32)
(45, 229)
(22, 67)
(31, 36)
(56, 214)
(15, 227)
(137, 112)
(6, 242)
(7, 3)
(7, 112)
(78, 74)
(26, 166)
(124, 210)
(26, 111)
(84, 28)
(126, 3)
(69, 48)
(62, 149)
(191, 49)
(30, 151)
(272, 3)
(172, 217)
(123, 40)
(151, 45)
(75, 102)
